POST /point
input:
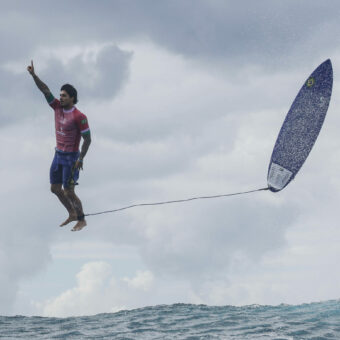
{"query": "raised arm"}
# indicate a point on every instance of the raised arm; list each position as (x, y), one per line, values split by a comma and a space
(41, 86)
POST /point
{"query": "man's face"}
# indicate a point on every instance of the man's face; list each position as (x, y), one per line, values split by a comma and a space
(65, 99)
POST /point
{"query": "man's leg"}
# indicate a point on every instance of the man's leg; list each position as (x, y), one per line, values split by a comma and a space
(60, 193)
(56, 178)
(76, 202)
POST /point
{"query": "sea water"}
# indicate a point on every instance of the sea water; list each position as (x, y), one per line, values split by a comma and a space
(185, 321)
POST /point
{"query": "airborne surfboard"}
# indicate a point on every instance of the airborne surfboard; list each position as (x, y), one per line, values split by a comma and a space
(301, 127)
(296, 138)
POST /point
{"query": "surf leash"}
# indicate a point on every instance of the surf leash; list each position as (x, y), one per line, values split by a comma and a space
(175, 201)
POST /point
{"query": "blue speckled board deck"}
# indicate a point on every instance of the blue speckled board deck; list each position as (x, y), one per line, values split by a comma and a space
(301, 127)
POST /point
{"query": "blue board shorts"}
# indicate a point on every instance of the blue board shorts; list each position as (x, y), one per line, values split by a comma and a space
(62, 169)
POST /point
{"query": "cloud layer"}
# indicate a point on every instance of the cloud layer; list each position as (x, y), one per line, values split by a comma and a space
(183, 99)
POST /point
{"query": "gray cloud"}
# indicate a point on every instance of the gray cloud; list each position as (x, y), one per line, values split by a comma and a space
(153, 145)
(264, 32)
(201, 241)
(25, 233)
(95, 80)
(15, 98)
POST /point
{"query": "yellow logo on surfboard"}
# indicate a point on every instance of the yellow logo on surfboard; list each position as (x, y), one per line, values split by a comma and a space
(310, 82)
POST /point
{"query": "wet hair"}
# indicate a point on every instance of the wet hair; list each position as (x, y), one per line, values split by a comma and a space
(71, 91)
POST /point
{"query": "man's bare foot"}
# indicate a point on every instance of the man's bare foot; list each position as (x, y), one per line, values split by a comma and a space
(70, 219)
(79, 226)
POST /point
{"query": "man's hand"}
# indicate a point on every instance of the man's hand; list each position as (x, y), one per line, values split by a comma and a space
(30, 68)
(79, 164)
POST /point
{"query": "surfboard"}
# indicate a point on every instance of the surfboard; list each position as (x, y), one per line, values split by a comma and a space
(301, 127)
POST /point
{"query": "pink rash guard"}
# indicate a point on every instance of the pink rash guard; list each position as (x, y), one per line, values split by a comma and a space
(69, 126)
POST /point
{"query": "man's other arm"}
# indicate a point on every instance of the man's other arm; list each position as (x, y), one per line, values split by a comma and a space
(84, 148)
(86, 144)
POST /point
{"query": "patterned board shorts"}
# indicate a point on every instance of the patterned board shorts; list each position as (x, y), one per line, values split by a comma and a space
(62, 169)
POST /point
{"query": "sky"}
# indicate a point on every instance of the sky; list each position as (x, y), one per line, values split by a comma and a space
(183, 98)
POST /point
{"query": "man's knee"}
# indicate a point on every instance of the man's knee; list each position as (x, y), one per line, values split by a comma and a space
(56, 189)
(69, 192)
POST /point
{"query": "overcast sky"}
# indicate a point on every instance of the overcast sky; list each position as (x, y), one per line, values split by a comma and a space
(183, 98)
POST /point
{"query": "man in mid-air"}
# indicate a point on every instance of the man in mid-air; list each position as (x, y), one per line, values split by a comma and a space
(70, 125)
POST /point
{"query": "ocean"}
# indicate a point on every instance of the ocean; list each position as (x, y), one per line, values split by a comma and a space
(319, 320)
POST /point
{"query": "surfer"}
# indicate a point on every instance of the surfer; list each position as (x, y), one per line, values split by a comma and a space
(70, 125)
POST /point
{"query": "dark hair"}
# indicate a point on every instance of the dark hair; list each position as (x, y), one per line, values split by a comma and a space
(71, 91)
